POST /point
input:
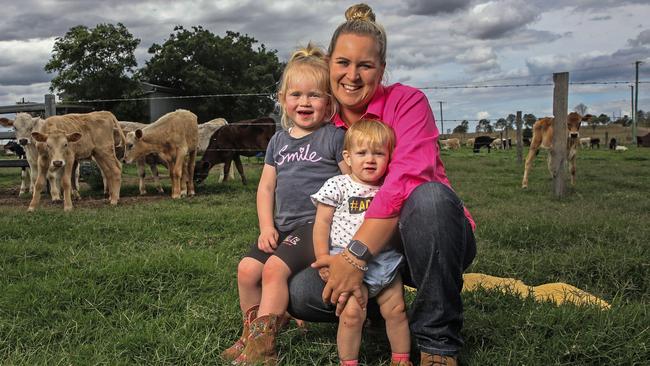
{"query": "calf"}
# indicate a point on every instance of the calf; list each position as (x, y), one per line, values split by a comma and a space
(152, 159)
(16, 149)
(469, 142)
(594, 141)
(584, 142)
(206, 130)
(450, 144)
(72, 137)
(612, 143)
(246, 138)
(175, 138)
(620, 148)
(24, 125)
(543, 137)
(482, 141)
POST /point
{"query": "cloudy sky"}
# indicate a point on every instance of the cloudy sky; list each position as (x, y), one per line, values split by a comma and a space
(432, 44)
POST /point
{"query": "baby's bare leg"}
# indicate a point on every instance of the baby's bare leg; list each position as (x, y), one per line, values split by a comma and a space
(393, 309)
(348, 337)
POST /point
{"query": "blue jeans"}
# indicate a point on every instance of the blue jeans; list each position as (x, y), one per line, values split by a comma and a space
(438, 243)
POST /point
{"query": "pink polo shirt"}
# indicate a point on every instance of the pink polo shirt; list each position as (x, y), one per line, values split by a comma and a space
(416, 158)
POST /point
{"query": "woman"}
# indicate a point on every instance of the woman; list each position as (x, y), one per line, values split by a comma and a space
(415, 205)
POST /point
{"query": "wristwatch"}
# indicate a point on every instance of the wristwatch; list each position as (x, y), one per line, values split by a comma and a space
(359, 250)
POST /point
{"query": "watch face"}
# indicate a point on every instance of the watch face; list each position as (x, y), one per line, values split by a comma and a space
(357, 249)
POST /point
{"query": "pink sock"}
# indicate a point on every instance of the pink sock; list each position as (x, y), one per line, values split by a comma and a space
(399, 357)
(350, 363)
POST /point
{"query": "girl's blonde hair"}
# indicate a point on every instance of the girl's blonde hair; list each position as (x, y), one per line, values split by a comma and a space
(308, 62)
(360, 20)
(371, 131)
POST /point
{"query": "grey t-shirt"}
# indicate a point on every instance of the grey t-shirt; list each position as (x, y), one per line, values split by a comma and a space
(302, 165)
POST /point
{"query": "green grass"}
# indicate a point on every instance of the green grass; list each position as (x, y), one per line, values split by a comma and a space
(154, 281)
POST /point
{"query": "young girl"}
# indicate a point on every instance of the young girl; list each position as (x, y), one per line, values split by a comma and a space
(298, 161)
(341, 204)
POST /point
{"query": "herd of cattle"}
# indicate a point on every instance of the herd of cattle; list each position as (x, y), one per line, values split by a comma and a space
(54, 147)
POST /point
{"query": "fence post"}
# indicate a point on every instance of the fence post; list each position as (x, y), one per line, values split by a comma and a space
(50, 105)
(520, 140)
(559, 150)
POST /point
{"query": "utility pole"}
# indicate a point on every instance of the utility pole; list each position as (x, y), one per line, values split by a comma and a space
(442, 120)
(636, 103)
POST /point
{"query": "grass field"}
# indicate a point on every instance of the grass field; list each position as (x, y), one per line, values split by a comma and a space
(153, 281)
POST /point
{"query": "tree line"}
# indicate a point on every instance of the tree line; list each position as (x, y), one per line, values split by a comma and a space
(99, 64)
(508, 123)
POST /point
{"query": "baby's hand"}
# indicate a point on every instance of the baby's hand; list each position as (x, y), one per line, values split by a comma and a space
(268, 240)
(324, 273)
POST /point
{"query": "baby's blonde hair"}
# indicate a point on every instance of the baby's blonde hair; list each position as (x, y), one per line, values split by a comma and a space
(371, 131)
(309, 61)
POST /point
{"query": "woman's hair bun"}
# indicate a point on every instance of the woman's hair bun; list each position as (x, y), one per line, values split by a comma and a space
(360, 11)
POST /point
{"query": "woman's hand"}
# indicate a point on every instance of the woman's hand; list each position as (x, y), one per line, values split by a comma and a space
(268, 240)
(344, 280)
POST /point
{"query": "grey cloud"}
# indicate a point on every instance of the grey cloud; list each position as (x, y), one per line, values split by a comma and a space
(23, 74)
(497, 19)
(642, 39)
(618, 65)
(428, 7)
(602, 17)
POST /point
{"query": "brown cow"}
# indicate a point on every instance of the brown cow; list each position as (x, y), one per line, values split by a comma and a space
(174, 137)
(246, 138)
(450, 144)
(65, 139)
(543, 137)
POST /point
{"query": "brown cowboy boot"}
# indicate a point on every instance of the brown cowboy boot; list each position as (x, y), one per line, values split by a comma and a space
(401, 363)
(427, 359)
(236, 349)
(260, 344)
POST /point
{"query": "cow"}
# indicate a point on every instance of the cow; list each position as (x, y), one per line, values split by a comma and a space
(482, 141)
(206, 130)
(152, 159)
(543, 137)
(469, 142)
(620, 148)
(24, 124)
(245, 138)
(175, 138)
(450, 144)
(71, 137)
(612, 143)
(594, 141)
(584, 142)
(14, 148)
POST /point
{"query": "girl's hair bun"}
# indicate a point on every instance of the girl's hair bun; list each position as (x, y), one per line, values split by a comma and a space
(360, 11)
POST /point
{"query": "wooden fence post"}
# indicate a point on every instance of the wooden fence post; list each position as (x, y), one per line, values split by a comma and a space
(520, 140)
(50, 105)
(559, 150)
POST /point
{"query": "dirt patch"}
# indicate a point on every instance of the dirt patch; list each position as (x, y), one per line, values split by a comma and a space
(9, 198)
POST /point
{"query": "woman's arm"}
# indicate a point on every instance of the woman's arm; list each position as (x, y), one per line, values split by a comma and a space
(268, 239)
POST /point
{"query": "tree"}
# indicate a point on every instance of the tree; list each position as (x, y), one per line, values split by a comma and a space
(195, 61)
(463, 127)
(501, 124)
(484, 126)
(529, 120)
(94, 63)
(603, 119)
(581, 108)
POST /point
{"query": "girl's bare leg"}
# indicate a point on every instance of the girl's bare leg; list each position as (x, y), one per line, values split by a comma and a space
(348, 337)
(393, 309)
